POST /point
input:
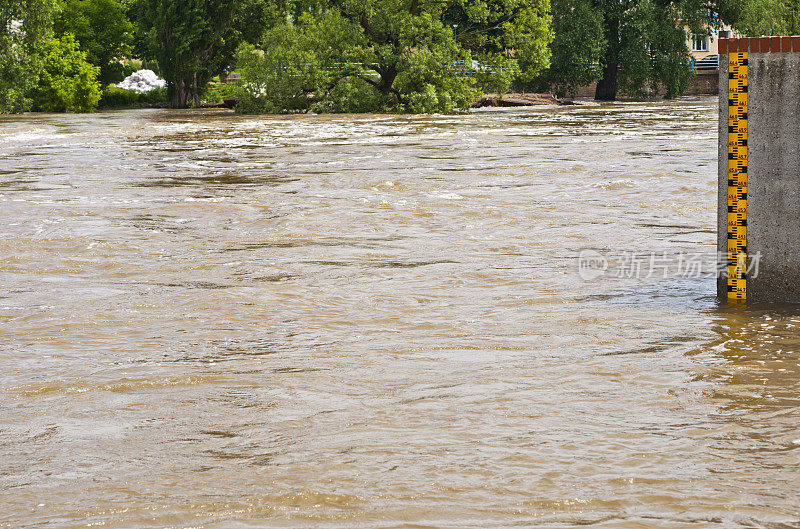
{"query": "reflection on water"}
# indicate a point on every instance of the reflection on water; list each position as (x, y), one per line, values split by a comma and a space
(217, 321)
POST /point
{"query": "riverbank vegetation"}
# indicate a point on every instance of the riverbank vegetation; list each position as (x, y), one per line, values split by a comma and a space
(395, 55)
(354, 55)
(639, 46)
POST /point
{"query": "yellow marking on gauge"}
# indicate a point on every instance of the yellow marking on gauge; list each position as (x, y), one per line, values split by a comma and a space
(737, 177)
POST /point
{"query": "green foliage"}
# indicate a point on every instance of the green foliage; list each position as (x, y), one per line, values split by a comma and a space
(188, 38)
(283, 76)
(508, 34)
(193, 40)
(25, 28)
(157, 97)
(670, 61)
(432, 81)
(308, 66)
(425, 100)
(115, 97)
(103, 31)
(215, 92)
(130, 66)
(769, 17)
(730, 11)
(639, 46)
(495, 72)
(350, 95)
(394, 55)
(68, 83)
(578, 46)
(654, 54)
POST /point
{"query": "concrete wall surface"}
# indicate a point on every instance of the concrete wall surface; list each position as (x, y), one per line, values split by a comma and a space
(773, 181)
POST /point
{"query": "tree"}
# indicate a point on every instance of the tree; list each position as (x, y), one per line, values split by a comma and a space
(68, 83)
(636, 45)
(103, 31)
(578, 46)
(25, 28)
(511, 37)
(281, 75)
(769, 17)
(407, 55)
(413, 46)
(646, 45)
(193, 40)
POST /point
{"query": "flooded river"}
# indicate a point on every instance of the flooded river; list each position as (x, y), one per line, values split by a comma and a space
(215, 321)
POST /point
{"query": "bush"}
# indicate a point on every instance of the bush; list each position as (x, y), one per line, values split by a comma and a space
(325, 64)
(131, 65)
(425, 101)
(157, 97)
(102, 30)
(350, 95)
(115, 97)
(216, 92)
(25, 29)
(68, 82)
(283, 76)
(434, 83)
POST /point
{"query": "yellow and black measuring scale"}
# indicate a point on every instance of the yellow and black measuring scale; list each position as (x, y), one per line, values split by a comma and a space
(737, 177)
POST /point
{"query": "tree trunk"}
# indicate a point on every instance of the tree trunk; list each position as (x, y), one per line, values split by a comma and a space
(179, 93)
(388, 76)
(174, 97)
(195, 91)
(607, 86)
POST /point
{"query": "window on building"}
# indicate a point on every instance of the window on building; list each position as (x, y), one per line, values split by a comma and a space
(699, 42)
(724, 34)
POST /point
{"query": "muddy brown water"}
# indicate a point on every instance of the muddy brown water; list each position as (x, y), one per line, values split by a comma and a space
(215, 321)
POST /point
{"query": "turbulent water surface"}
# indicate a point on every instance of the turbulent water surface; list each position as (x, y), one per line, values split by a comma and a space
(215, 321)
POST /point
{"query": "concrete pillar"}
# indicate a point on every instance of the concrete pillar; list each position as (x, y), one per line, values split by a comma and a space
(773, 167)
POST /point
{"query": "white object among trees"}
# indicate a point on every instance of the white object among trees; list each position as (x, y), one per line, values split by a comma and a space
(142, 81)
